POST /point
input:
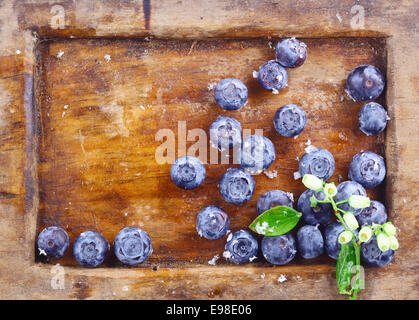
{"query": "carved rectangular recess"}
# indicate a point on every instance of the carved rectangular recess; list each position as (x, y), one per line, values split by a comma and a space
(100, 103)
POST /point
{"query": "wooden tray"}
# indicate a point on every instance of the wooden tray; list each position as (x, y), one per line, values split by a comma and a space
(79, 139)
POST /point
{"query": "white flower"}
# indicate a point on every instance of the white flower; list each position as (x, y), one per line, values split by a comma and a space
(312, 182)
(383, 242)
(345, 237)
(389, 229)
(357, 201)
(365, 234)
(330, 189)
(350, 221)
(394, 243)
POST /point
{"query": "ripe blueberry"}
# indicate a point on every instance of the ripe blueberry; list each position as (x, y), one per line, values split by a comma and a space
(319, 162)
(368, 169)
(279, 250)
(53, 242)
(257, 154)
(375, 213)
(372, 255)
(132, 246)
(331, 243)
(241, 247)
(290, 120)
(272, 76)
(372, 118)
(365, 83)
(272, 199)
(236, 186)
(90, 249)
(320, 214)
(230, 94)
(187, 172)
(290, 52)
(212, 223)
(225, 133)
(345, 189)
(310, 242)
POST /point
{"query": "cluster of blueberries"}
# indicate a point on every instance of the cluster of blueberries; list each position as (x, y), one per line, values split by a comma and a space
(132, 246)
(257, 153)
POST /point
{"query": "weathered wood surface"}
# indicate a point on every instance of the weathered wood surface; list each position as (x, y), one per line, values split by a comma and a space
(72, 143)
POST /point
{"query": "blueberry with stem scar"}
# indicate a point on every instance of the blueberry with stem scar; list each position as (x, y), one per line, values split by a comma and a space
(375, 213)
(225, 133)
(272, 76)
(230, 94)
(212, 222)
(322, 213)
(236, 186)
(319, 162)
(290, 52)
(187, 172)
(372, 119)
(257, 154)
(279, 250)
(90, 249)
(53, 242)
(290, 120)
(241, 247)
(371, 254)
(132, 246)
(272, 199)
(368, 169)
(365, 83)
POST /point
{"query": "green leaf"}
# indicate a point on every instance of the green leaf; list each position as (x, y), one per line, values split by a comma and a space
(276, 221)
(344, 267)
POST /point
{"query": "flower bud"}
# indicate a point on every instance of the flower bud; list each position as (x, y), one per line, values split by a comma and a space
(345, 237)
(383, 242)
(312, 182)
(313, 201)
(330, 189)
(358, 202)
(389, 229)
(350, 221)
(394, 243)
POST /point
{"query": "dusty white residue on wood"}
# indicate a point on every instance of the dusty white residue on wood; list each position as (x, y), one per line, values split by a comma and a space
(115, 113)
(107, 57)
(60, 54)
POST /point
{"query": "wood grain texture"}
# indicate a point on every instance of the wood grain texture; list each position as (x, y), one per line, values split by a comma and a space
(252, 22)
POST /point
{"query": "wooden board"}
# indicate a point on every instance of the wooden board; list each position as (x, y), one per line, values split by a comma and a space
(91, 165)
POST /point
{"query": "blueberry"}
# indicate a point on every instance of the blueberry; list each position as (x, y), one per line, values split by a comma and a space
(257, 154)
(272, 199)
(272, 76)
(291, 53)
(371, 255)
(310, 242)
(375, 213)
(212, 223)
(230, 94)
(321, 214)
(132, 246)
(365, 83)
(225, 133)
(319, 162)
(290, 120)
(368, 169)
(187, 172)
(90, 249)
(241, 247)
(279, 250)
(53, 242)
(331, 243)
(236, 186)
(372, 118)
(345, 189)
